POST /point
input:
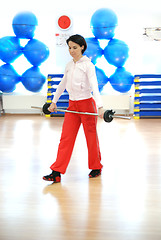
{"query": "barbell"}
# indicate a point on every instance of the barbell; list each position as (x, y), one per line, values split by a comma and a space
(107, 116)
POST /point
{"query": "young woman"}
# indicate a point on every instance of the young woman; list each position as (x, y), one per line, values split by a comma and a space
(79, 80)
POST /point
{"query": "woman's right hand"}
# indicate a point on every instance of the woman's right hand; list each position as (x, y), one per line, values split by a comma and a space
(52, 107)
(101, 112)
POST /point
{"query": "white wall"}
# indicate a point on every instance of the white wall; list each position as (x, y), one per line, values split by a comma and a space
(133, 16)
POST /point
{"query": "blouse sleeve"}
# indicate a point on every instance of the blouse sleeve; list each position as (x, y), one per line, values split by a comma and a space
(91, 73)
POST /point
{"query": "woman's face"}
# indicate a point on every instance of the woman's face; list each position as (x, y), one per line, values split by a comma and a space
(75, 50)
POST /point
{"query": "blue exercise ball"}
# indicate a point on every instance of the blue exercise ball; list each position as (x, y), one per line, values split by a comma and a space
(10, 49)
(116, 52)
(36, 52)
(102, 79)
(8, 78)
(121, 80)
(33, 80)
(93, 50)
(24, 25)
(103, 23)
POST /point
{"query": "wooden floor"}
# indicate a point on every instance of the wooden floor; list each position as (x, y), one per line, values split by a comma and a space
(122, 204)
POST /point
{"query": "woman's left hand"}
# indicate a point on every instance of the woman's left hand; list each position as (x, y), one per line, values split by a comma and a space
(100, 112)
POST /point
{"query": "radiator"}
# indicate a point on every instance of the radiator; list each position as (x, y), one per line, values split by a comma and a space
(13, 103)
(117, 102)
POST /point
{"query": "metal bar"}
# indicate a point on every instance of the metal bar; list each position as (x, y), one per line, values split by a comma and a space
(92, 114)
(85, 113)
(123, 117)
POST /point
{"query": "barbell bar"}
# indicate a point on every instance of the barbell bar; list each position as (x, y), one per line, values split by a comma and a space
(107, 116)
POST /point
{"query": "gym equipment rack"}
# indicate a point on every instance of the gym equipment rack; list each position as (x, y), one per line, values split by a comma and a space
(147, 99)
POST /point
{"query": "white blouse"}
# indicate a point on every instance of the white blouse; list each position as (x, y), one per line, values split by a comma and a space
(80, 81)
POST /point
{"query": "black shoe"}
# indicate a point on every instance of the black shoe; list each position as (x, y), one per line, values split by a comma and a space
(95, 173)
(54, 176)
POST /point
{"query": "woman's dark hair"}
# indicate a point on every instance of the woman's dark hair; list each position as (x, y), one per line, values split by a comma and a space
(79, 40)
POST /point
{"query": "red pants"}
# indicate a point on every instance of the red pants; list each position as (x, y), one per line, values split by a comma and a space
(70, 129)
